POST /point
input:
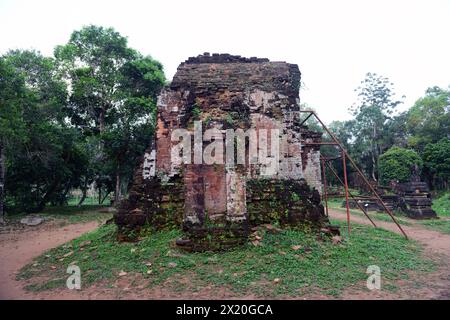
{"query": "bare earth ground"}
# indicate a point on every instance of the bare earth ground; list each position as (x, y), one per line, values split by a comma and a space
(18, 248)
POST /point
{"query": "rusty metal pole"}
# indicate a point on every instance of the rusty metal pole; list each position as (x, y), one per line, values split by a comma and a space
(344, 163)
(350, 194)
(358, 170)
(325, 185)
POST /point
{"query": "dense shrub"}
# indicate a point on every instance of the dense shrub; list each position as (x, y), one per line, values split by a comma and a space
(398, 164)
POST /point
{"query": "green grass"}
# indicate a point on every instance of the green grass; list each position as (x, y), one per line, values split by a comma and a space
(442, 205)
(318, 266)
(437, 225)
(70, 214)
(88, 201)
(377, 216)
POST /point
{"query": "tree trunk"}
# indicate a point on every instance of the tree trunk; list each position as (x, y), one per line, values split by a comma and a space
(2, 182)
(45, 199)
(374, 153)
(104, 198)
(373, 167)
(117, 191)
(101, 120)
(63, 201)
(83, 196)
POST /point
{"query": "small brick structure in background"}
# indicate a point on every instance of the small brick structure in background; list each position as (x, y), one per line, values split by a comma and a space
(217, 204)
(412, 197)
(415, 200)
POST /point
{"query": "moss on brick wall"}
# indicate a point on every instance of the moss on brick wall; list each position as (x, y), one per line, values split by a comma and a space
(288, 202)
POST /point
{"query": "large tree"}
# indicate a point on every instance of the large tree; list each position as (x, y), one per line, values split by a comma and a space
(12, 92)
(373, 110)
(113, 96)
(43, 160)
(428, 121)
(92, 60)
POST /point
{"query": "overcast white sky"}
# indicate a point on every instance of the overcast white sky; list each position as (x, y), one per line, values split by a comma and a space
(335, 43)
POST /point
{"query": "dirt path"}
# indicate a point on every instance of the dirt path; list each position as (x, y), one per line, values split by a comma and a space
(19, 248)
(437, 247)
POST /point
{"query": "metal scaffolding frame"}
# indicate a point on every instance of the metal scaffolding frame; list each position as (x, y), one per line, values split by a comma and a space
(326, 163)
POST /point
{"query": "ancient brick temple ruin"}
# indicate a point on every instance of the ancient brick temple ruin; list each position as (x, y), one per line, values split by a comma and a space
(217, 203)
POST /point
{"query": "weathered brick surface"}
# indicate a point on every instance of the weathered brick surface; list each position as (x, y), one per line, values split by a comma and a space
(311, 159)
(213, 203)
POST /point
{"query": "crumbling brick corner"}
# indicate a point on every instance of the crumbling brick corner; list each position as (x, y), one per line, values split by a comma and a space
(217, 204)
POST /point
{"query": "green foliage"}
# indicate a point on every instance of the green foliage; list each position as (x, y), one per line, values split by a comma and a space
(12, 92)
(343, 132)
(12, 95)
(436, 158)
(104, 74)
(372, 113)
(113, 100)
(394, 132)
(312, 122)
(196, 112)
(398, 164)
(143, 77)
(375, 128)
(428, 121)
(43, 169)
(56, 140)
(375, 92)
(42, 155)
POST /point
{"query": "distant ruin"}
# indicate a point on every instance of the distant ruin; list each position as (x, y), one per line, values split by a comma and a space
(217, 204)
(413, 198)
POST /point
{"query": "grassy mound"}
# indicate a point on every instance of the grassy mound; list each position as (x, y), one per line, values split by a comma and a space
(285, 263)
